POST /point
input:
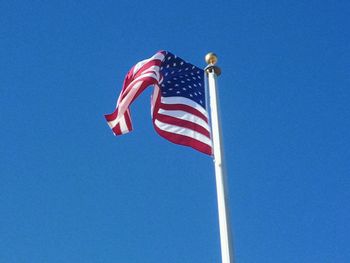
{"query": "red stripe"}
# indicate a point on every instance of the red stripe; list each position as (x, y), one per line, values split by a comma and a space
(184, 108)
(117, 130)
(183, 123)
(128, 78)
(184, 140)
(112, 116)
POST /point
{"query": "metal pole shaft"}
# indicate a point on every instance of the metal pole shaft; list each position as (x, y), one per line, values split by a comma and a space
(220, 172)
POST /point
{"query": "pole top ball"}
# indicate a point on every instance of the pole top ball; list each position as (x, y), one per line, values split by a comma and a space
(211, 58)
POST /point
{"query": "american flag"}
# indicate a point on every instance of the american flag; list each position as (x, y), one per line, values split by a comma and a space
(178, 103)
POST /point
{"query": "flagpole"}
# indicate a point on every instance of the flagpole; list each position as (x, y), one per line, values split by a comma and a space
(226, 241)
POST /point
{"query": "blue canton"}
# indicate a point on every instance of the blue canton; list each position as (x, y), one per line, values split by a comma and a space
(182, 79)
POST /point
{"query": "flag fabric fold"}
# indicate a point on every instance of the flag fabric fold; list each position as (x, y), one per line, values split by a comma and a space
(178, 103)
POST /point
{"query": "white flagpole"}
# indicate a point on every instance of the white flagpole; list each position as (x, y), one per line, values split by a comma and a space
(213, 71)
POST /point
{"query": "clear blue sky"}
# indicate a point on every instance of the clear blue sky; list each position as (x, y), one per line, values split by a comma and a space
(72, 192)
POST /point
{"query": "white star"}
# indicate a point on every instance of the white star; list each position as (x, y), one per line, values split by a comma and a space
(174, 65)
(169, 81)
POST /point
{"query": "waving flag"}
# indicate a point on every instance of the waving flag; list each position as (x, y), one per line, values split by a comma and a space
(178, 102)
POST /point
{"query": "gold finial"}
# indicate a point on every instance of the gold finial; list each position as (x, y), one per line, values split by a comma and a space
(211, 58)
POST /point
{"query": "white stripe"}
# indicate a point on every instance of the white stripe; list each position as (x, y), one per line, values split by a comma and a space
(123, 126)
(158, 56)
(183, 115)
(183, 131)
(154, 97)
(185, 101)
(110, 124)
(152, 69)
